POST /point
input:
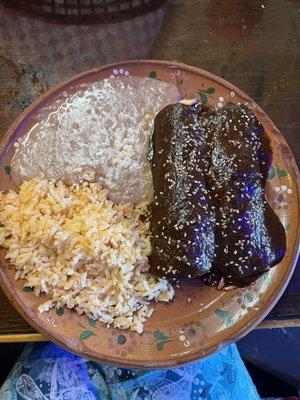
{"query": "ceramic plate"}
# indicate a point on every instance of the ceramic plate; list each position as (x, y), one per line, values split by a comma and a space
(201, 319)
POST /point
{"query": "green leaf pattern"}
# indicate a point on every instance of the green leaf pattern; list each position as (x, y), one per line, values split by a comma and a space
(204, 94)
(224, 314)
(272, 173)
(27, 289)
(7, 169)
(276, 171)
(152, 74)
(92, 323)
(221, 313)
(203, 97)
(210, 90)
(160, 346)
(86, 334)
(160, 336)
(282, 173)
(162, 339)
(60, 311)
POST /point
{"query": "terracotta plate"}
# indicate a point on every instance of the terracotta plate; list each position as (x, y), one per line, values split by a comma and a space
(201, 319)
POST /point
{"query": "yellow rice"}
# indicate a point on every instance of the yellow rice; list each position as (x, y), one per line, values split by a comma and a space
(81, 250)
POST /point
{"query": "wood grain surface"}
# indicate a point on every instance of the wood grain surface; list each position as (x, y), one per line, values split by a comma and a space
(253, 44)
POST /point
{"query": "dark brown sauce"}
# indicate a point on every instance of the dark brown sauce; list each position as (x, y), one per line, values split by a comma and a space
(249, 236)
(210, 213)
(183, 218)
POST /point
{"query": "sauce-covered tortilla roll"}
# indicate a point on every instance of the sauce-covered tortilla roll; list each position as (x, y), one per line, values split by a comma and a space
(183, 218)
(249, 235)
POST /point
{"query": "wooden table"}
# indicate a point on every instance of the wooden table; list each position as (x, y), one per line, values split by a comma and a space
(253, 44)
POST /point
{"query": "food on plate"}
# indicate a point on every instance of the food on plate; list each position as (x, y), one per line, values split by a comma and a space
(101, 134)
(249, 235)
(82, 250)
(209, 212)
(182, 214)
(120, 193)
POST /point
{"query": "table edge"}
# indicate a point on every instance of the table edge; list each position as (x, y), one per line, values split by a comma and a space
(38, 337)
(22, 337)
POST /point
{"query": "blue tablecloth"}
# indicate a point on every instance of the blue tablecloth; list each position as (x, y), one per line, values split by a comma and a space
(46, 372)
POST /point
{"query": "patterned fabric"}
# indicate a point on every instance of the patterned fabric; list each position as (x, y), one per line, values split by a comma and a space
(46, 372)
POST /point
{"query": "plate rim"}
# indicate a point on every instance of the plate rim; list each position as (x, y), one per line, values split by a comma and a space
(196, 354)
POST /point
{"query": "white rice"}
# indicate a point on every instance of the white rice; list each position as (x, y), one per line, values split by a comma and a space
(82, 250)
